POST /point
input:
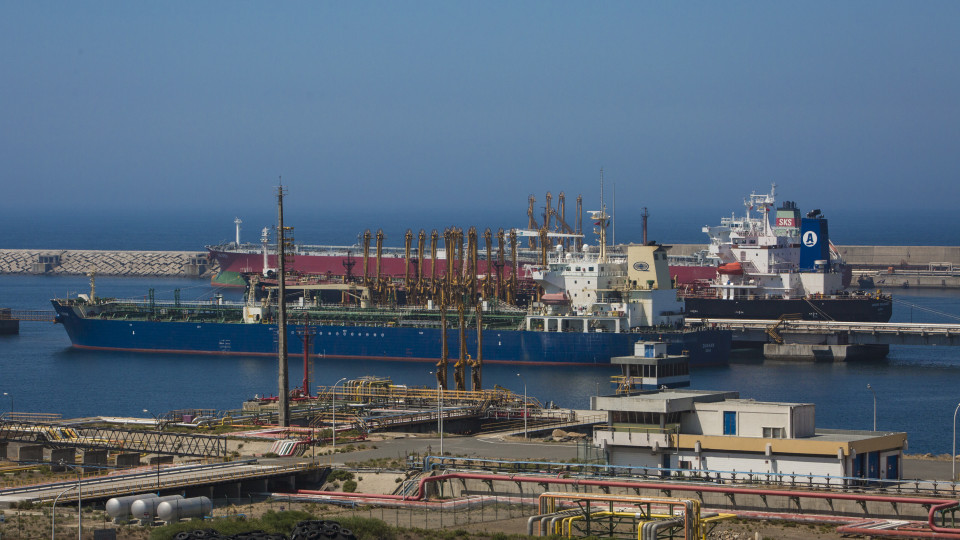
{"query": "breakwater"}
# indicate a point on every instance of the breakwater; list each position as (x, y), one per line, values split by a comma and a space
(196, 264)
(876, 257)
(106, 263)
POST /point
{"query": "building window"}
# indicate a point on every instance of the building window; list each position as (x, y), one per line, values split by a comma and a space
(774, 433)
(729, 422)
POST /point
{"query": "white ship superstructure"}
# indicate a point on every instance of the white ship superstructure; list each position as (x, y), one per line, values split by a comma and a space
(763, 260)
(591, 291)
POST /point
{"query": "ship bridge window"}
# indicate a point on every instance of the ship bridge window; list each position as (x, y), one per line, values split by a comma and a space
(591, 268)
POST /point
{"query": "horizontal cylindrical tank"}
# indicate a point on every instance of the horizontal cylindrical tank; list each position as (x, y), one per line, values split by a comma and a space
(174, 511)
(118, 508)
(146, 509)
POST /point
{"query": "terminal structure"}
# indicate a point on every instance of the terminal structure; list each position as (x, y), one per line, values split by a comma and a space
(697, 432)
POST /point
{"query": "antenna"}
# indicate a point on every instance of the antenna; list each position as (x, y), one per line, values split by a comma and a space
(644, 214)
(602, 207)
(613, 217)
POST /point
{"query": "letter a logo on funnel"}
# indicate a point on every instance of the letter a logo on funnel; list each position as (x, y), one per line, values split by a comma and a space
(809, 238)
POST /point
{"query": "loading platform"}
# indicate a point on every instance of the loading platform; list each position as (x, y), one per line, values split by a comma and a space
(787, 338)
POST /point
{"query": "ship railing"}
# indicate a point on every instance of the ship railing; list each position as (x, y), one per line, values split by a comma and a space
(168, 304)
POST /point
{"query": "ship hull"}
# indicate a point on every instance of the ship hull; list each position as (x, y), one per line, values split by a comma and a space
(864, 309)
(705, 347)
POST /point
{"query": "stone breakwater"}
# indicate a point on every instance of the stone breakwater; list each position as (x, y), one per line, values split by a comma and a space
(106, 263)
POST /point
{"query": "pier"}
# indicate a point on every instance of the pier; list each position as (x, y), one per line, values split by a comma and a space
(833, 340)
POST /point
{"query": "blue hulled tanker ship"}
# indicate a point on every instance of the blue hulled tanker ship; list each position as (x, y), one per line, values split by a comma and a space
(593, 307)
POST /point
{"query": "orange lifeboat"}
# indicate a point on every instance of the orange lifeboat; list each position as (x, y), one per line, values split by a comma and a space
(733, 268)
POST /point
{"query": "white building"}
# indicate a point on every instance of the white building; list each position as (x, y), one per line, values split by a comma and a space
(719, 432)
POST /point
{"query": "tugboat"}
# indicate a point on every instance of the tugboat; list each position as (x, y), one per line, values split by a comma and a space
(787, 269)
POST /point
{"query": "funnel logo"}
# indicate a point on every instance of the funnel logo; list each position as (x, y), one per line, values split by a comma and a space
(641, 266)
(810, 238)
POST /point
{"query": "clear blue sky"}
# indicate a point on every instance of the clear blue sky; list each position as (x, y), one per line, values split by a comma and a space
(474, 105)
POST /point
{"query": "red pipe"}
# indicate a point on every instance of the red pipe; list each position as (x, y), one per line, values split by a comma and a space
(912, 533)
(934, 527)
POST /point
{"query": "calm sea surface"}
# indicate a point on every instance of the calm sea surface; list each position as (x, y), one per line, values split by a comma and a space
(917, 387)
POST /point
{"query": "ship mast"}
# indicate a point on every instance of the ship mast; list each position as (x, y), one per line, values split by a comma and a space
(283, 406)
(600, 219)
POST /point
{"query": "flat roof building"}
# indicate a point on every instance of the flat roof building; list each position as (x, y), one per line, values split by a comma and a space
(681, 431)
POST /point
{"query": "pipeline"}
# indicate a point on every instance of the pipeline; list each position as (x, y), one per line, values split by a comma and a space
(543, 522)
(631, 485)
(937, 505)
(649, 530)
(690, 507)
(940, 508)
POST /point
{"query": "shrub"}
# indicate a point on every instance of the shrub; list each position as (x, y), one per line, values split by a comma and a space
(368, 528)
(349, 486)
(339, 474)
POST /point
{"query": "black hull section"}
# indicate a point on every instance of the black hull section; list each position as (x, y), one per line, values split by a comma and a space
(854, 309)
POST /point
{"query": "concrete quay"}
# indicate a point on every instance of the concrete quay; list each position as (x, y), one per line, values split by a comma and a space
(874, 257)
(106, 263)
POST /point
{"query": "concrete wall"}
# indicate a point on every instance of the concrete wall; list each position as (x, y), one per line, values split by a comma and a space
(56, 455)
(25, 452)
(128, 460)
(95, 457)
(897, 255)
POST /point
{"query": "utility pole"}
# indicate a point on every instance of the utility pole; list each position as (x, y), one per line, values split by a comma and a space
(282, 403)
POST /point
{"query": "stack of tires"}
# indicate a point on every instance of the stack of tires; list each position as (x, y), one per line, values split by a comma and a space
(305, 530)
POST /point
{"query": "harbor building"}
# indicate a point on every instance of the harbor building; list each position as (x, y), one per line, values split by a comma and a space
(692, 432)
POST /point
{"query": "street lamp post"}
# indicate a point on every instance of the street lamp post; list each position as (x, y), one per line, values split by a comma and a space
(53, 518)
(870, 388)
(524, 405)
(79, 486)
(334, 431)
(11, 403)
(157, 420)
(953, 458)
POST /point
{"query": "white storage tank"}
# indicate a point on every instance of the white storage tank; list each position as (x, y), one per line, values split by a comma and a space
(119, 508)
(146, 509)
(174, 511)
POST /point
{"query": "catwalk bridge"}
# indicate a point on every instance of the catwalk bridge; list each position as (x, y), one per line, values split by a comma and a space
(843, 333)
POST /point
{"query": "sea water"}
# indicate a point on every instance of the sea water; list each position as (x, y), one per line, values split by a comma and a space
(916, 387)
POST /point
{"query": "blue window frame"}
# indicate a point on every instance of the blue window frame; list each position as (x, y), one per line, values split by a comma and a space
(729, 422)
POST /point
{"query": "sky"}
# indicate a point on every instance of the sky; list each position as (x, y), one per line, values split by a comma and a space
(467, 108)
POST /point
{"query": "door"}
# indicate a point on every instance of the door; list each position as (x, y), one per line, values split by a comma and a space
(729, 422)
(893, 467)
(665, 463)
(858, 467)
(873, 465)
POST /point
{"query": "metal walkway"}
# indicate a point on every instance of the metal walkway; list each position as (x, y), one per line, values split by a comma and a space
(847, 333)
(125, 440)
